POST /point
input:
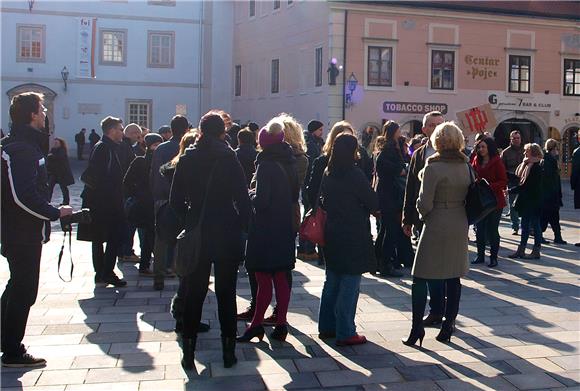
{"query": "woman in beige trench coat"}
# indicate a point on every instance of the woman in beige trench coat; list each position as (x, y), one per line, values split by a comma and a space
(442, 250)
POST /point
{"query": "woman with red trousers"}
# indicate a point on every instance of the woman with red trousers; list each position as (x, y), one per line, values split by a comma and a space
(488, 165)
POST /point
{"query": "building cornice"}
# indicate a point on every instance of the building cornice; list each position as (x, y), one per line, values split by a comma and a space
(41, 80)
(101, 16)
(448, 14)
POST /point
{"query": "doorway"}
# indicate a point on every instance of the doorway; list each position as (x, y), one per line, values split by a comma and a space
(530, 132)
(569, 144)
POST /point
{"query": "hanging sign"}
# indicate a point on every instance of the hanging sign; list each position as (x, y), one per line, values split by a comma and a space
(86, 47)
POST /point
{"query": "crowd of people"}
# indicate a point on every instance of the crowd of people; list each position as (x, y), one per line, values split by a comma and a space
(241, 193)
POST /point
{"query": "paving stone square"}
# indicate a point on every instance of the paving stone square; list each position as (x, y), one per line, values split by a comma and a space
(518, 329)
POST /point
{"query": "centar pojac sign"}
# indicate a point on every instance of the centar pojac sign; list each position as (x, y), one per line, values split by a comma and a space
(482, 67)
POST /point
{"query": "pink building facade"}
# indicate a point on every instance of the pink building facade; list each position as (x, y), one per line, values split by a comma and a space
(397, 62)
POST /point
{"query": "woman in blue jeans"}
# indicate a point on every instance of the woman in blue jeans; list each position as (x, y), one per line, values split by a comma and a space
(348, 200)
(529, 200)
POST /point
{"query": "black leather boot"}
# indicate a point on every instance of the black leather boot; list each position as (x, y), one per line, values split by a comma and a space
(558, 238)
(229, 351)
(188, 349)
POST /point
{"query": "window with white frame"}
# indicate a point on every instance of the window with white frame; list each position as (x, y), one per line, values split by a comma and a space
(442, 70)
(318, 70)
(571, 77)
(238, 81)
(161, 45)
(30, 43)
(520, 70)
(276, 4)
(252, 8)
(113, 47)
(380, 66)
(139, 112)
(275, 79)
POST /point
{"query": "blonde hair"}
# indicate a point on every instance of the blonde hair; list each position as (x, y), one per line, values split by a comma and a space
(551, 144)
(274, 126)
(447, 136)
(189, 138)
(337, 128)
(535, 149)
(293, 132)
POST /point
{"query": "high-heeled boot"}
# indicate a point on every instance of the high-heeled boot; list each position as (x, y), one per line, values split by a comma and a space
(229, 351)
(280, 332)
(493, 256)
(419, 300)
(188, 350)
(257, 331)
(535, 254)
(519, 253)
(446, 332)
(417, 333)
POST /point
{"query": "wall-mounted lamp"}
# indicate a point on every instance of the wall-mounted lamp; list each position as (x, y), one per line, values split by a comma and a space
(351, 83)
(64, 75)
(333, 72)
(406, 83)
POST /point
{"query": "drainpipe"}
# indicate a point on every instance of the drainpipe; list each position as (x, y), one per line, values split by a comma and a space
(201, 57)
(344, 65)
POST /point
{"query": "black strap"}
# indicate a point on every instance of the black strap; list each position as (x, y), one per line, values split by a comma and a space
(471, 174)
(72, 266)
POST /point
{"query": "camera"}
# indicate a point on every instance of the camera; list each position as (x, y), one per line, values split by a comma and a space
(82, 216)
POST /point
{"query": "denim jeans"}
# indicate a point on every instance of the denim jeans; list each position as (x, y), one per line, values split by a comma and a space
(531, 222)
(338, 304)
(514, 216)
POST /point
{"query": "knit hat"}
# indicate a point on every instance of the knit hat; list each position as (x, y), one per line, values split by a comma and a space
(265, 139)
(152, 138)
(314, 125)
(164, 129)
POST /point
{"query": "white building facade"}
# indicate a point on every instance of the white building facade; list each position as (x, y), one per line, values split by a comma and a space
(142, 61)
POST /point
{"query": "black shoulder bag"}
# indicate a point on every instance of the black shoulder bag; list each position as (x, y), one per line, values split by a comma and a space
(188, 248)
(480, 200)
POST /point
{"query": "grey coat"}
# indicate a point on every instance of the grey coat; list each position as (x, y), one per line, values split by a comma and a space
(442, 250)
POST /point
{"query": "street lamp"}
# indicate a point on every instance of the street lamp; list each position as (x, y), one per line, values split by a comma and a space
(351, 83)
(64, 75)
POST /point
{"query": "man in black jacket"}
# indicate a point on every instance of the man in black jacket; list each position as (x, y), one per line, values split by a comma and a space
(80, 140)
(160, 186)
(26, 216)
(103, 194)
(314, 144)
(411, 215)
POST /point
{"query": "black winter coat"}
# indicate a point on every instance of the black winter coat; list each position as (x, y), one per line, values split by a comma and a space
(59, 167)
(314, 179)
(348, 201)
(104, 195)
(247, 156)
(126, 154)
(136, 184)
(529, 193)
(271, 238)
(391, 185)
(228, 205)
(552, 186)
(25, 209)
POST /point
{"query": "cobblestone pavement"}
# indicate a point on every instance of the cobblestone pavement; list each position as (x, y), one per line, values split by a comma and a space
(518, 329)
